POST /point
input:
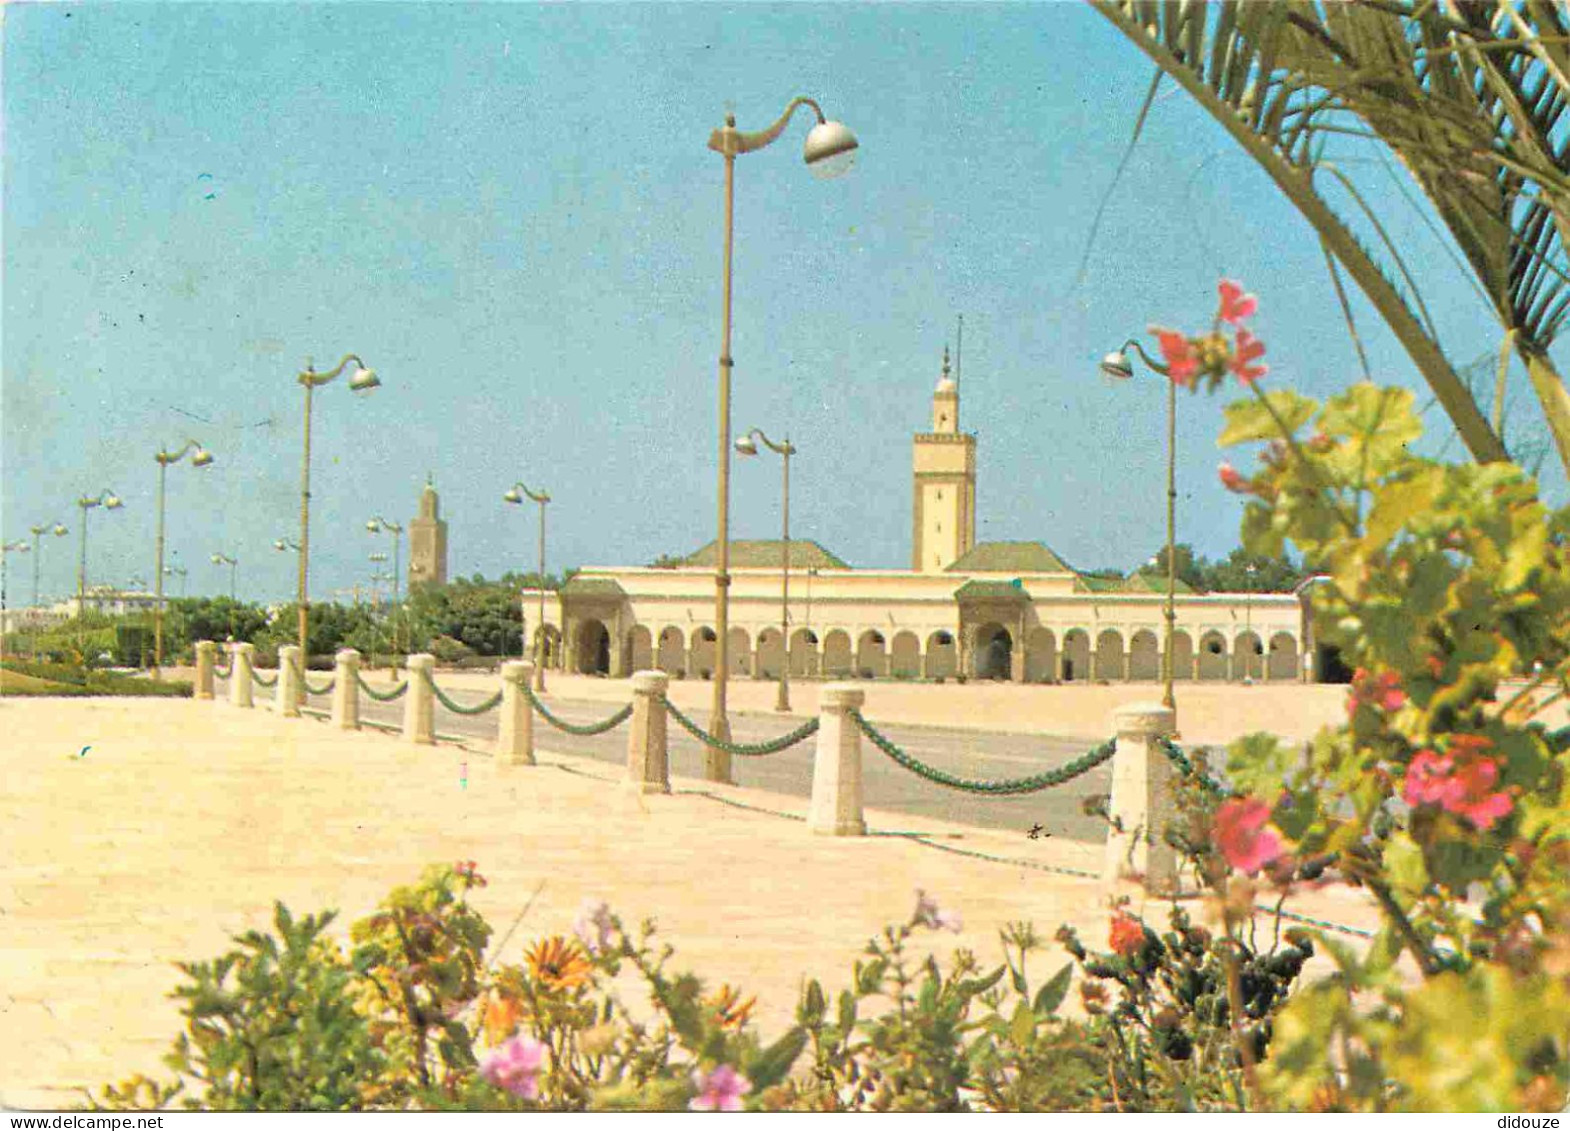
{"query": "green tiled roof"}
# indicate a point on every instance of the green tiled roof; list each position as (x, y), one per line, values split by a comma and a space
(1135, 583)
(761, 554)
(992, 591)
(1009, 557)
(580, 586)
(1092, 584)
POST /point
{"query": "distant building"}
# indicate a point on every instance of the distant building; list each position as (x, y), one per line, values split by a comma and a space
(428, 542)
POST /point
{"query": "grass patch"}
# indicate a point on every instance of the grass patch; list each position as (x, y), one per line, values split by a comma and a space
(25, 677)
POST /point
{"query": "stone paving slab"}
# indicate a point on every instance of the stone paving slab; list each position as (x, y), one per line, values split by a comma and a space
(186, 819)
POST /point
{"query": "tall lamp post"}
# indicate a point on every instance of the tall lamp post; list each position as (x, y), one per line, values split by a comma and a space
(220, 559)
(20, 546)
(1116, 364)
(59, 531)
(516, 494)
(748, 446)
(110, 502)
(200, 457)
(830, 150)
(363, 380)
(376, 526)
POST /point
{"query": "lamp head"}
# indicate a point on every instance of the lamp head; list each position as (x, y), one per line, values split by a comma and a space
(373, 526)
(364, 380)
(746, 445)
(112, 502)
(218, 559)
(1116, 364)
(830, 150)
(280, 544)
(60, 530)
(513, 495)
(201, 457)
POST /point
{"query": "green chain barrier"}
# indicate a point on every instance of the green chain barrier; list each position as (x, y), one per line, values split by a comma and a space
(744, 749)
(324, 689)
(220, 672)
(601, 727)
(1046, 780)
(260, 679)
(381, 696)
(1175, 754)
(459, 708)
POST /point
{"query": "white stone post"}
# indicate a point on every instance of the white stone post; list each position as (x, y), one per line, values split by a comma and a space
(241, 673)
(346, 690)
(515, 738)
(204, 668)
(648, 759)
(419, 709)
(836, 767)
(287, 695)
(1141, 804)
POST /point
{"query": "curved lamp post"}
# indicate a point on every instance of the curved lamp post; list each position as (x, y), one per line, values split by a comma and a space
(830, 151)
(363, 380)
(59, 531)
(1117, 364)
(748, 446)
(221, 559)
(200, 457)
(516, 494)
(110, 502)
(20, 546)
(376, 526)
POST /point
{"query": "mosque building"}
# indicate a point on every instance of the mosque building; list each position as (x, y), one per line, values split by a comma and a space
(990, 610)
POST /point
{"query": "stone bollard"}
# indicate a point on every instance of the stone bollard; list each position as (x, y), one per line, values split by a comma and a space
(242, 659)
(205, 650)
(648, 759)
(419, 709)
(346, 690)
(1141, 800)
(288, 693)
(836, 766)
(515, 735)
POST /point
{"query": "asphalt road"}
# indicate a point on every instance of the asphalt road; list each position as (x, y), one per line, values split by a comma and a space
(885, 785)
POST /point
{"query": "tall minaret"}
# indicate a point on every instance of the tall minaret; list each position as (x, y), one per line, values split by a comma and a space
(944, 519)
(428, 541)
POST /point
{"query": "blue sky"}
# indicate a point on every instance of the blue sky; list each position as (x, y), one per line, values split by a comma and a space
(510, 211)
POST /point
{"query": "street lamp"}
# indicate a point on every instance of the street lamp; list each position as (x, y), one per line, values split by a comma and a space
(20, 546)
(59, 531)
(110, 502)
(515, 495)
(376, 526)
(1248, 625)
(830, 151)
(200, 457)
(362, 381)
(1117, 364)
(220, 559)
(748, 446)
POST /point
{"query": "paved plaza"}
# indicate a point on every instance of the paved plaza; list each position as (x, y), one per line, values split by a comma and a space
(183, 820)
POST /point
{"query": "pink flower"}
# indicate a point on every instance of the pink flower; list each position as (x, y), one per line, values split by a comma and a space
(1235, 305)
(1433, 779)
(720, 1090)
(1243, 836)
(1248, 349)
(1232, 479)
(594, 925)
(516, 1067)
(929, 914)
(1382, 691)
(1127, 935)
(1181, 357)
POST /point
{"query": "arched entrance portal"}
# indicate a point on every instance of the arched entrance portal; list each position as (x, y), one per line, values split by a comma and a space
(594, 648)
(994, 652)
(942, 660)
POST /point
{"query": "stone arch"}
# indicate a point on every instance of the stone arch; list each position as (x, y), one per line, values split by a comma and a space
(1182, 655)
(1109, 654)
(872, 658)
(640, 649)
(738, 651)
(836, 653)
(771, 654)
(804, 652)
(700, 655)
(992, 652)
(942, 655)
(546, 648)
(1247, 653)
(1076, 655)
(671, 657)
(1041, 656)
(1144, 656)
(1212, 656)
(905, 656)
(593, 647)
(1281, 659)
